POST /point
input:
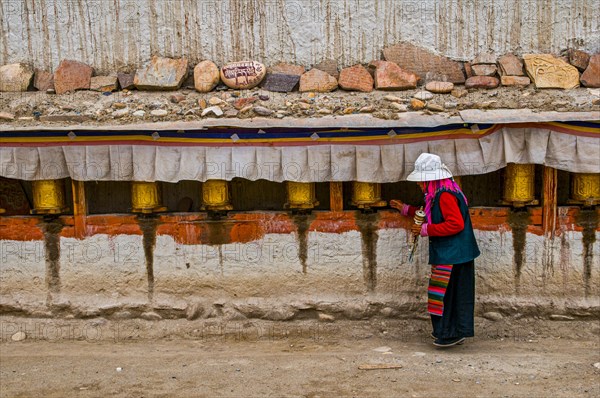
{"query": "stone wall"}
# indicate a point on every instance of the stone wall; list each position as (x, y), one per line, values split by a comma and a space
(124, 34)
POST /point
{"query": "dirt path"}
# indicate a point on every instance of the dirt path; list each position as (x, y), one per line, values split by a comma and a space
(300, 359)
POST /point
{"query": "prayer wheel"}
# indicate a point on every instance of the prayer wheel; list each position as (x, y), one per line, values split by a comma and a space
(48, 197)
(216, 196)
(458, 181)
(585, 188)
(519, 185)
(301, 195)
(366, 195)
(146, 197)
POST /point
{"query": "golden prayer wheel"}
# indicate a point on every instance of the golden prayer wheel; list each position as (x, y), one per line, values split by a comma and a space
(301, 195)
(216, 196)
(458, 181)
(519, 185)
(48, 197)
(146, 197)
(366, 195)
(585, 188)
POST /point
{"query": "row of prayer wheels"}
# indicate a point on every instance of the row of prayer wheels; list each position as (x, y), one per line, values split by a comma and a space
(519, 184)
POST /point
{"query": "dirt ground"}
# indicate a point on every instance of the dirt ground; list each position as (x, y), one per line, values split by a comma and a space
(251, 358)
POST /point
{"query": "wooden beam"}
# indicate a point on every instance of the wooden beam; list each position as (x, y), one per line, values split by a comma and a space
(79, 209)
(549, 202)
(336, 196)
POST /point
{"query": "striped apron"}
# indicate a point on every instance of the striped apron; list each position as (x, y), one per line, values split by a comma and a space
(440, 276)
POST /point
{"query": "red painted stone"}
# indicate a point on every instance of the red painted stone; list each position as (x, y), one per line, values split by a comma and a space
(71, 76)
(356, 78)
(482, 82)
(591, 76)
(389, 76)
(423, 62)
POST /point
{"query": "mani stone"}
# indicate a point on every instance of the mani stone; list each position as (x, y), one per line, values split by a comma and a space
(104, 83)
(591, 76)
(287, 69)
(439, 87)
(484, 65)
(515, 80)
(482, 82)
(356, 78)
(280, 82)
(71, 76)
(548, 71)
(579, 59)
(126, 80)
(243, 75)
(484, 69)
(162, 74)
(15, 77)
(422, 62)
(510, 65)
(206, 76)
(43, 80)
(329, 66)
(389, 76)
(318, 81)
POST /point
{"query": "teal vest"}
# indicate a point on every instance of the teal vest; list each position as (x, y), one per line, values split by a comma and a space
(454, 249)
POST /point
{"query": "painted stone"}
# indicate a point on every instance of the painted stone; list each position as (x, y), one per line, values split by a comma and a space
(548, 71)
(484, 70)
(71, 76)
(104, 83)
(318, 81)
(280, 82)
(389, 76)
(206, 76)
(439, 87)
(356, 78)
(482, 82)
(423, 62)
(591, 76)
(126, 80)
(243, 75)
(15, 77)
(329, 66)
(515, 80)
(43, 80)
(579, 59)
(510, 65)
(162, 74)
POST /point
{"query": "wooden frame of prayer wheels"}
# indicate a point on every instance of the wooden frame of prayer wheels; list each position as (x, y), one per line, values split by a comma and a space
(48, 197)
(519, 185)
(216, 195)
(585, 189)
(146, 197)
(366, 195)
(301, 195)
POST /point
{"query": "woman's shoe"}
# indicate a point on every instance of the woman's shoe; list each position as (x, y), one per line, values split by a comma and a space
(448, 342)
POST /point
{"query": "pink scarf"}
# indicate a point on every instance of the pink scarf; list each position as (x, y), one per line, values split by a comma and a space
(433, 187)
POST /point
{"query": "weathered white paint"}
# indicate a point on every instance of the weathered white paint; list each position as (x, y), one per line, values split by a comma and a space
(104, 271)
(120, 34)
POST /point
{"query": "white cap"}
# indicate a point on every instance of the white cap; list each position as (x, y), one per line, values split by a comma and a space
(429, 167)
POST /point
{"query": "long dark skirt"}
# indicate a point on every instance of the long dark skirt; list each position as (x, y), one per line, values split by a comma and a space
(459, 304)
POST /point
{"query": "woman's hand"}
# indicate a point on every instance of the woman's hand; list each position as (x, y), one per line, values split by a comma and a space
(396, 204)
(415, 229)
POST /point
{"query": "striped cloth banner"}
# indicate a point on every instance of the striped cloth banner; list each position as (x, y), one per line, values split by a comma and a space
(440, 277)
